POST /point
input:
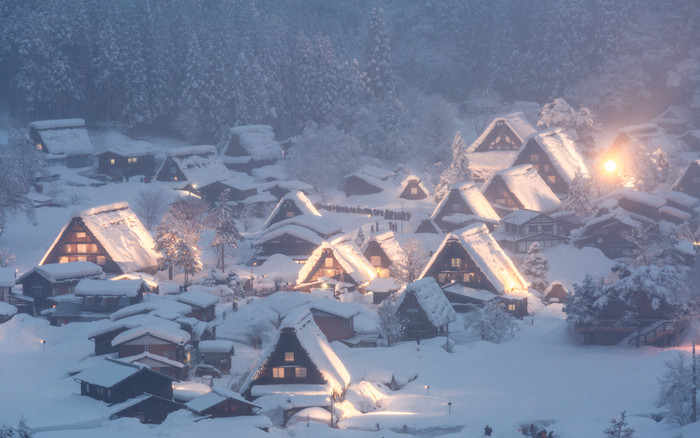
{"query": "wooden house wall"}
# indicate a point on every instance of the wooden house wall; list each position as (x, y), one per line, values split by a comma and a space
(222, 361)
(426, 226)
(101, 303)
(288, 245)
(358, 186)
(205, 314)
(454, 204)
(334, 327)
(211, 192)
(36, 286)
(533, 154)
(103, 342)
(336, 272)
(609, 238)
(153, 345)
(144, 165)
(690, 183)
(288, 342)
(170, 171)
(498, 193)
(413, 191)
(516, 307)
(468, 274)
(153, 410)
(288, 209)
(137, 384)
(557, 294)
(501, 137)
(418, 326)
(67, 248)
(693, 141)
(229, 408)
(374, 249)
(78, 161)
(639, 208)
(234, 147)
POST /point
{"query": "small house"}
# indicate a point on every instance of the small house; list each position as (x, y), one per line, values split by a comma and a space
(63, 141)
(636, 202)
(239, 188)
(632, 139)
(203, 304)
(217, 353)
(382, 288)
(689, 181)
(111, 236)
(678, 205)
(172, 368)
(157, 339)
(121, 162)
(423, 223)
(147, 408)
(195, 165)
(336, 264)
(366, 181)
(424, 308)
(291, 205)
(521, 228)
(555, 156)
(556, 292)
(519, 187)
(293, 241)
(55, 279)
(109, 296)
(114, 381)
(103, 337)
(382, 251)
(691, 139)
(280, 188)
(464, 204)
(412, 188)
(7, 282)
(249, 147)
(334, 319)
(676, 119)
(299, 364)
(220, 402)
(472, 259)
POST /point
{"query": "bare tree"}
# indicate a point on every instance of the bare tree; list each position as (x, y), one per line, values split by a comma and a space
(225, 228)
(480, 107)
(151, 204)
(409, 266)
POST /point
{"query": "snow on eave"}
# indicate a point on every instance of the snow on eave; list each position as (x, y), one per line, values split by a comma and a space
(152, 305)
(348, 256)
(334, 307)
(522, 216)
(517, 122)
(215, 346)
(192, 150)
(474, 199)
(410, 178)
(526, 184)
(562, 152)
(636, 196)
(292, 230)
(300, 200)
(172, 335)
(65, 271)
(197, 298)
(214, 397)
(389, 245)
(154, 357)
(431, 299)
(127, 288)
(202, 171)
(108, 373)
(319, 224)
(57, 124)
(681, 198)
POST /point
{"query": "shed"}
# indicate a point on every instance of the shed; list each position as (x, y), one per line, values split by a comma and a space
(220, 402)
(64, 141)
(425, 309)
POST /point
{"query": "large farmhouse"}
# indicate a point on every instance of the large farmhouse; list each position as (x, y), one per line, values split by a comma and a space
(339, 264)
(520, 187)
(111, 236)
(464, 205)
(63, 141)
(248, 147)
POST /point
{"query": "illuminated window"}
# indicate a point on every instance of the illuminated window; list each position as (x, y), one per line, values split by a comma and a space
(278, 373)
(289, 356)
(456, 262)
(328, 262)
(81, 234)
(174, 178)
(81, 259)
(300, 372)
(442, 278)
(82, 248)
(63, 259)
(552, 178)
(545, 168)
(534, 158)
(69, 248)
(511, 307)
(101, 260)
(132, 160)
(92, 248)
(468, 277)
(375, 261)
(414, 190)
(39, 147)
(289, 214)
(112, 161)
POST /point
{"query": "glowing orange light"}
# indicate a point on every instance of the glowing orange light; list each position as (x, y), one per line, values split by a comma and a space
(610, 166)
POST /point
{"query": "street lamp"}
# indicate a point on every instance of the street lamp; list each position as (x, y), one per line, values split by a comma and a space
(43, 345)
(427, 389)
(610, 166)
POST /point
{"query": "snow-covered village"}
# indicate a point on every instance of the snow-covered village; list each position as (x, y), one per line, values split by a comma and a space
(349, 219)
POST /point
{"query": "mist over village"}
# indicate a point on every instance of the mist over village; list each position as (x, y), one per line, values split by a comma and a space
(349, 218)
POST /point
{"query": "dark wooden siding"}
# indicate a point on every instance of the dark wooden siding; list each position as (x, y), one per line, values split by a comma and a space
(533, 154)
(170, 171)
(288, 245)
(413, 186)
(288, 343)
(468, 273)
(357, 186)
(501, 137)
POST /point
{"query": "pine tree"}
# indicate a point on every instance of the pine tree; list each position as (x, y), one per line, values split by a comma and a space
(490, 321)
(186, 256)
(535, 267)
(619, 428)
(676, 391)
(582, 306)
(457, 171)
(391, 325)
(379, 78)
(225, 229)
(577, 198)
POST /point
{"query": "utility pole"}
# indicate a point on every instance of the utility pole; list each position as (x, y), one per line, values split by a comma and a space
(695, 389)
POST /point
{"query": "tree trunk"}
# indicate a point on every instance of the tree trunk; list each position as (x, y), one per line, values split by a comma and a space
(170, 271)
(222, 258)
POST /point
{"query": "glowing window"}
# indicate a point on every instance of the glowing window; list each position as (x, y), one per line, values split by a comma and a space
(132, 160)
(289, 356)
(82, 248)
(511, 307)
(328, 262)
(534, 158)
(69, 248)
(456, 262)
(300, 372)
(414, 190)
(468, 277)
(81, 234)
(278, 373)
(289, 214)
(112, 161)
(442, 278)
(375, 261)
(63, 259)
(101, 260)
(39, 147)
(552, 178)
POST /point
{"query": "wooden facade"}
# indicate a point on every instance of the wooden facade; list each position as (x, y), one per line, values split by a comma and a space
(141, 380)
(120, 165)
(689, 182)
(377, 258)
(555, 293)
(354, 185)
(691, 139)
(103, 341)
(293, 246)
(456, 204)
(501, 137)
(533, 154)
(417, 324)
(326, 267)
(413, 190)
(454, 265)
(225, 406)
(150, 409)
(288, 363)
(610, 236)
(153, 344)
(78, 243)
(210, 193)
(334, 327)
(40, 288)
(499, 195)
(518, 235)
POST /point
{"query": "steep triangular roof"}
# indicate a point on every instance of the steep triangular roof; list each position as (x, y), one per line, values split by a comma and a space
(348, 256)
(431, 299)
(299, 200)
(516, 122)
(312, 340)
(472, 197)
(528, 187)
(388, 243)
(488, 256)
(410, 178)
(119, 230)
(562, 152)
(64, 137)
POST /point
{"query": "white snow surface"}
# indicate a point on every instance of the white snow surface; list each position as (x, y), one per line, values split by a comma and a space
(64, 137)
(176, 336)
(517, 122)
(197, 298)
(7, 277)
(65, 271)
(108, 373)
(201, 171)
(126, 288)
(153, 304)
(474, 199)
(215, 346)
(348, 256)
(258, 141)
(150, 359)
(528, 187)
(7, 309)
(431, 299)
(562, 152)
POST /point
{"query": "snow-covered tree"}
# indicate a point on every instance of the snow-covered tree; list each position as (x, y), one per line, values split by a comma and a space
(187, 256)
(391, 325)
(577, 199)
(6, 256)
(535, 267)
(379, 78)
(582, 306)
(21, 431)
(457, 171)
(490, 321)
(166, 239)
(224, 225)
(151, 204)
(676, 391)
(360, 238)
(411, 262)
(663, 167)
(580, 124)
(619, 428)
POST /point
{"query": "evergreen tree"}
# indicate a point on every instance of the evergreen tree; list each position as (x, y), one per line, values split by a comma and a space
(225, 229)
(379, 78)
(663, 167)
(186, 256)
(457, 171)
(619, 428)
(491, 322)
(535, 268)
(583, 305)
(676, 391)
(391, 325)
(577, 198)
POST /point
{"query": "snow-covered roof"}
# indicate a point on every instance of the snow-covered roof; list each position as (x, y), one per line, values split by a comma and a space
(150, 359)
(318, 224)
(681, 177)
(215, 346)
(676, 114)
(7, 276)
(376, 172)
(681, 198)
(562, 152)
(126, 288)
(109, 372)
(154, 305)
(383, 285)
(150, 280)
(173, 335)
(300, 201)
(118, 143)
(312, 340)
(192, 150)
(517, 122)
(213, 398)
(65, 271)
(292, 230)
(201, 171)
(64, 137)
(197, 298)
(7, 309)
(258, 141)
(519, 217)
(348, 256)
(651, 136)
(488, 256)
(121, 233)
(431, 299)
(291, 185)
(474, 199)
(133, 321)
(389, 245)
(636, 196)
(415, 178)
(616, 213)
(334, 307)
(526, 184)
